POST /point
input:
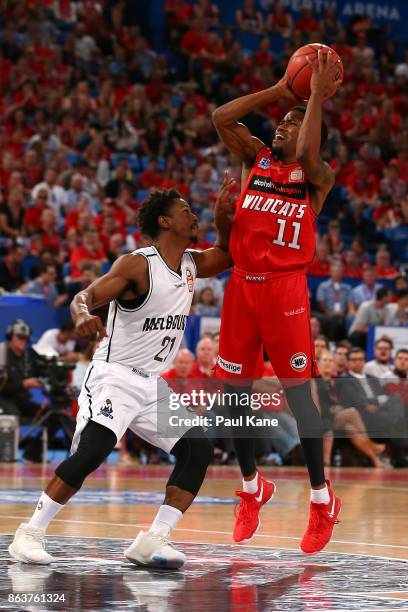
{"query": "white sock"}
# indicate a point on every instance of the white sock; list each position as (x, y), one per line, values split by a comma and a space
(320, 496)
(45, 511)
(166, 519)
(251, 486)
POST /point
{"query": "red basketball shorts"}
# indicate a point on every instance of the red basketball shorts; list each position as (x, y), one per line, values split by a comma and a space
(262, 312)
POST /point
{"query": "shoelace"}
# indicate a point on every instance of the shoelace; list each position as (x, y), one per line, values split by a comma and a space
(36, 538)
(161, 539)
(243, 508)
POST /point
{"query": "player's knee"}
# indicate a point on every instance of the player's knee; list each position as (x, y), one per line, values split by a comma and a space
(193, 453)
(95, 444)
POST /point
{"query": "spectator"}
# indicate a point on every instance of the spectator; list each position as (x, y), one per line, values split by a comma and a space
(122, 177)
(33, 215)
(59, 342)
(321, 344)
(57, 196)
(279, 21)
(307, 24)
(333, 301)
(11, 269)
(397, 314)
(383, 416)
(366, 291)
(383, 267)
(315, 327)
(395, 381)
(382, 358)
(180, 374)
(207, 303)
(45, 285)
(320, 265)
(332, 238)
(205, 359)
(76, 192)
(330, 26)
(336, 416)
(87, 252)
(12, 215)
(49, 237)
(341, 357)
(352, 268)
(371, 312)
(151, 177)
(363, 189)
(214, 284)
(248, 18)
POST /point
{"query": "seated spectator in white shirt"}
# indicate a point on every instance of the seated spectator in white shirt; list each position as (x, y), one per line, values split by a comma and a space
(369, 313)
(397, 314)
(365, 291)
(382, 362)
(59, 342)
(45, 285)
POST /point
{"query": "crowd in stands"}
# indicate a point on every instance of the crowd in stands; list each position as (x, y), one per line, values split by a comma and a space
(94, 115)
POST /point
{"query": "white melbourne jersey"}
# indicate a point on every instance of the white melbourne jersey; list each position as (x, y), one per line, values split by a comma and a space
(148, 337)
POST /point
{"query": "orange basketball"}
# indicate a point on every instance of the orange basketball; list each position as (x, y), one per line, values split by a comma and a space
(299, 72)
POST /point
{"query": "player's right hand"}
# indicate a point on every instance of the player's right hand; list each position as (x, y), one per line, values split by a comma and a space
(285, 90)
(90, 327)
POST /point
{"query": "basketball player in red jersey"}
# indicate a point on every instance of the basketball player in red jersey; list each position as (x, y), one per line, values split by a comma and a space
(266, 302)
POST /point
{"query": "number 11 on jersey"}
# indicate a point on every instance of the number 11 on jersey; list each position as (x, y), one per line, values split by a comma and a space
(293, 244)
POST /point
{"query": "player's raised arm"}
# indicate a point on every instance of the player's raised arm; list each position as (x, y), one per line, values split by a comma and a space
(309, 140)
(236, 136)
(217, 259)
(125, 273)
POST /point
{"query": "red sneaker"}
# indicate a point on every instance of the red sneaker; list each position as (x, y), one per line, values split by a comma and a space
(322, 520)
(247, 512)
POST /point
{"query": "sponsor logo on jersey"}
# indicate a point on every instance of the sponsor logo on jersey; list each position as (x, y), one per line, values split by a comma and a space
(140, 372)
(169, 322)
(106, 410)
(264, 163)
(267, 185)
(190, 280)
(229, 366)
(298, 362)
(297, 311)
(251, 277)
(296, 175)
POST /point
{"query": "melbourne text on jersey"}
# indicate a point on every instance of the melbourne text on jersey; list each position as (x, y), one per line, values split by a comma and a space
(169, 322)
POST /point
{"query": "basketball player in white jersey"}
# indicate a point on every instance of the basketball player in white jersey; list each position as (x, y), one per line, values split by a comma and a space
(150, 293)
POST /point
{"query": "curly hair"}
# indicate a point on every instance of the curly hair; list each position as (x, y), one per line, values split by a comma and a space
(157, 204)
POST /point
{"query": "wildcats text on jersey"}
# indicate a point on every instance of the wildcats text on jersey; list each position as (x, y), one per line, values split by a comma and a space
(169, 322)
(274, 206)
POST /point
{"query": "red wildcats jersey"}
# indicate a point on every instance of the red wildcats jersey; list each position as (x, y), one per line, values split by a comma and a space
(274, 224)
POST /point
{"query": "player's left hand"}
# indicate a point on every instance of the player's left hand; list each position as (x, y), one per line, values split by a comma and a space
(226, 197)
(324, 73)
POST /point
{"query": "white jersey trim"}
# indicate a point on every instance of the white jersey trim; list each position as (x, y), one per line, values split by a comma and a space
(193, 260)
(147, 298)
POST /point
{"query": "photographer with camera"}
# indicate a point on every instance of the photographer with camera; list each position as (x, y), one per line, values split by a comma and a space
(59, 343)
(17, 372)
(22, 369)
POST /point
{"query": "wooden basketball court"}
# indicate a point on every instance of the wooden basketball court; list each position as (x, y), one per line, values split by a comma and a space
(365, 567)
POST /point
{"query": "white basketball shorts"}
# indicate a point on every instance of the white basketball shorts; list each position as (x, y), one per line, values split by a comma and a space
(120, 398)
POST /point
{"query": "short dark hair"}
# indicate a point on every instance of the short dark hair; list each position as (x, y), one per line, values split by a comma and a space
(355, 350)
(156, 204)
(324, 338)
(401, 351)
(385, 339)
(381, 293)
(44, 265)
(324, 132)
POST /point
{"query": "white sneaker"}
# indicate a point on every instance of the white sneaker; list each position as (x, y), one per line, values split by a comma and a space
(28, 545)
(154, 550)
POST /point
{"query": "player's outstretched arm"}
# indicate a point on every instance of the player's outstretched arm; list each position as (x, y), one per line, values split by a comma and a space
(128, 271)
(217, 259)
(236, 136)
(317, 172)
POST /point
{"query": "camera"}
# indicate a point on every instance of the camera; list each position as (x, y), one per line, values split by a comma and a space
(54, 375)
